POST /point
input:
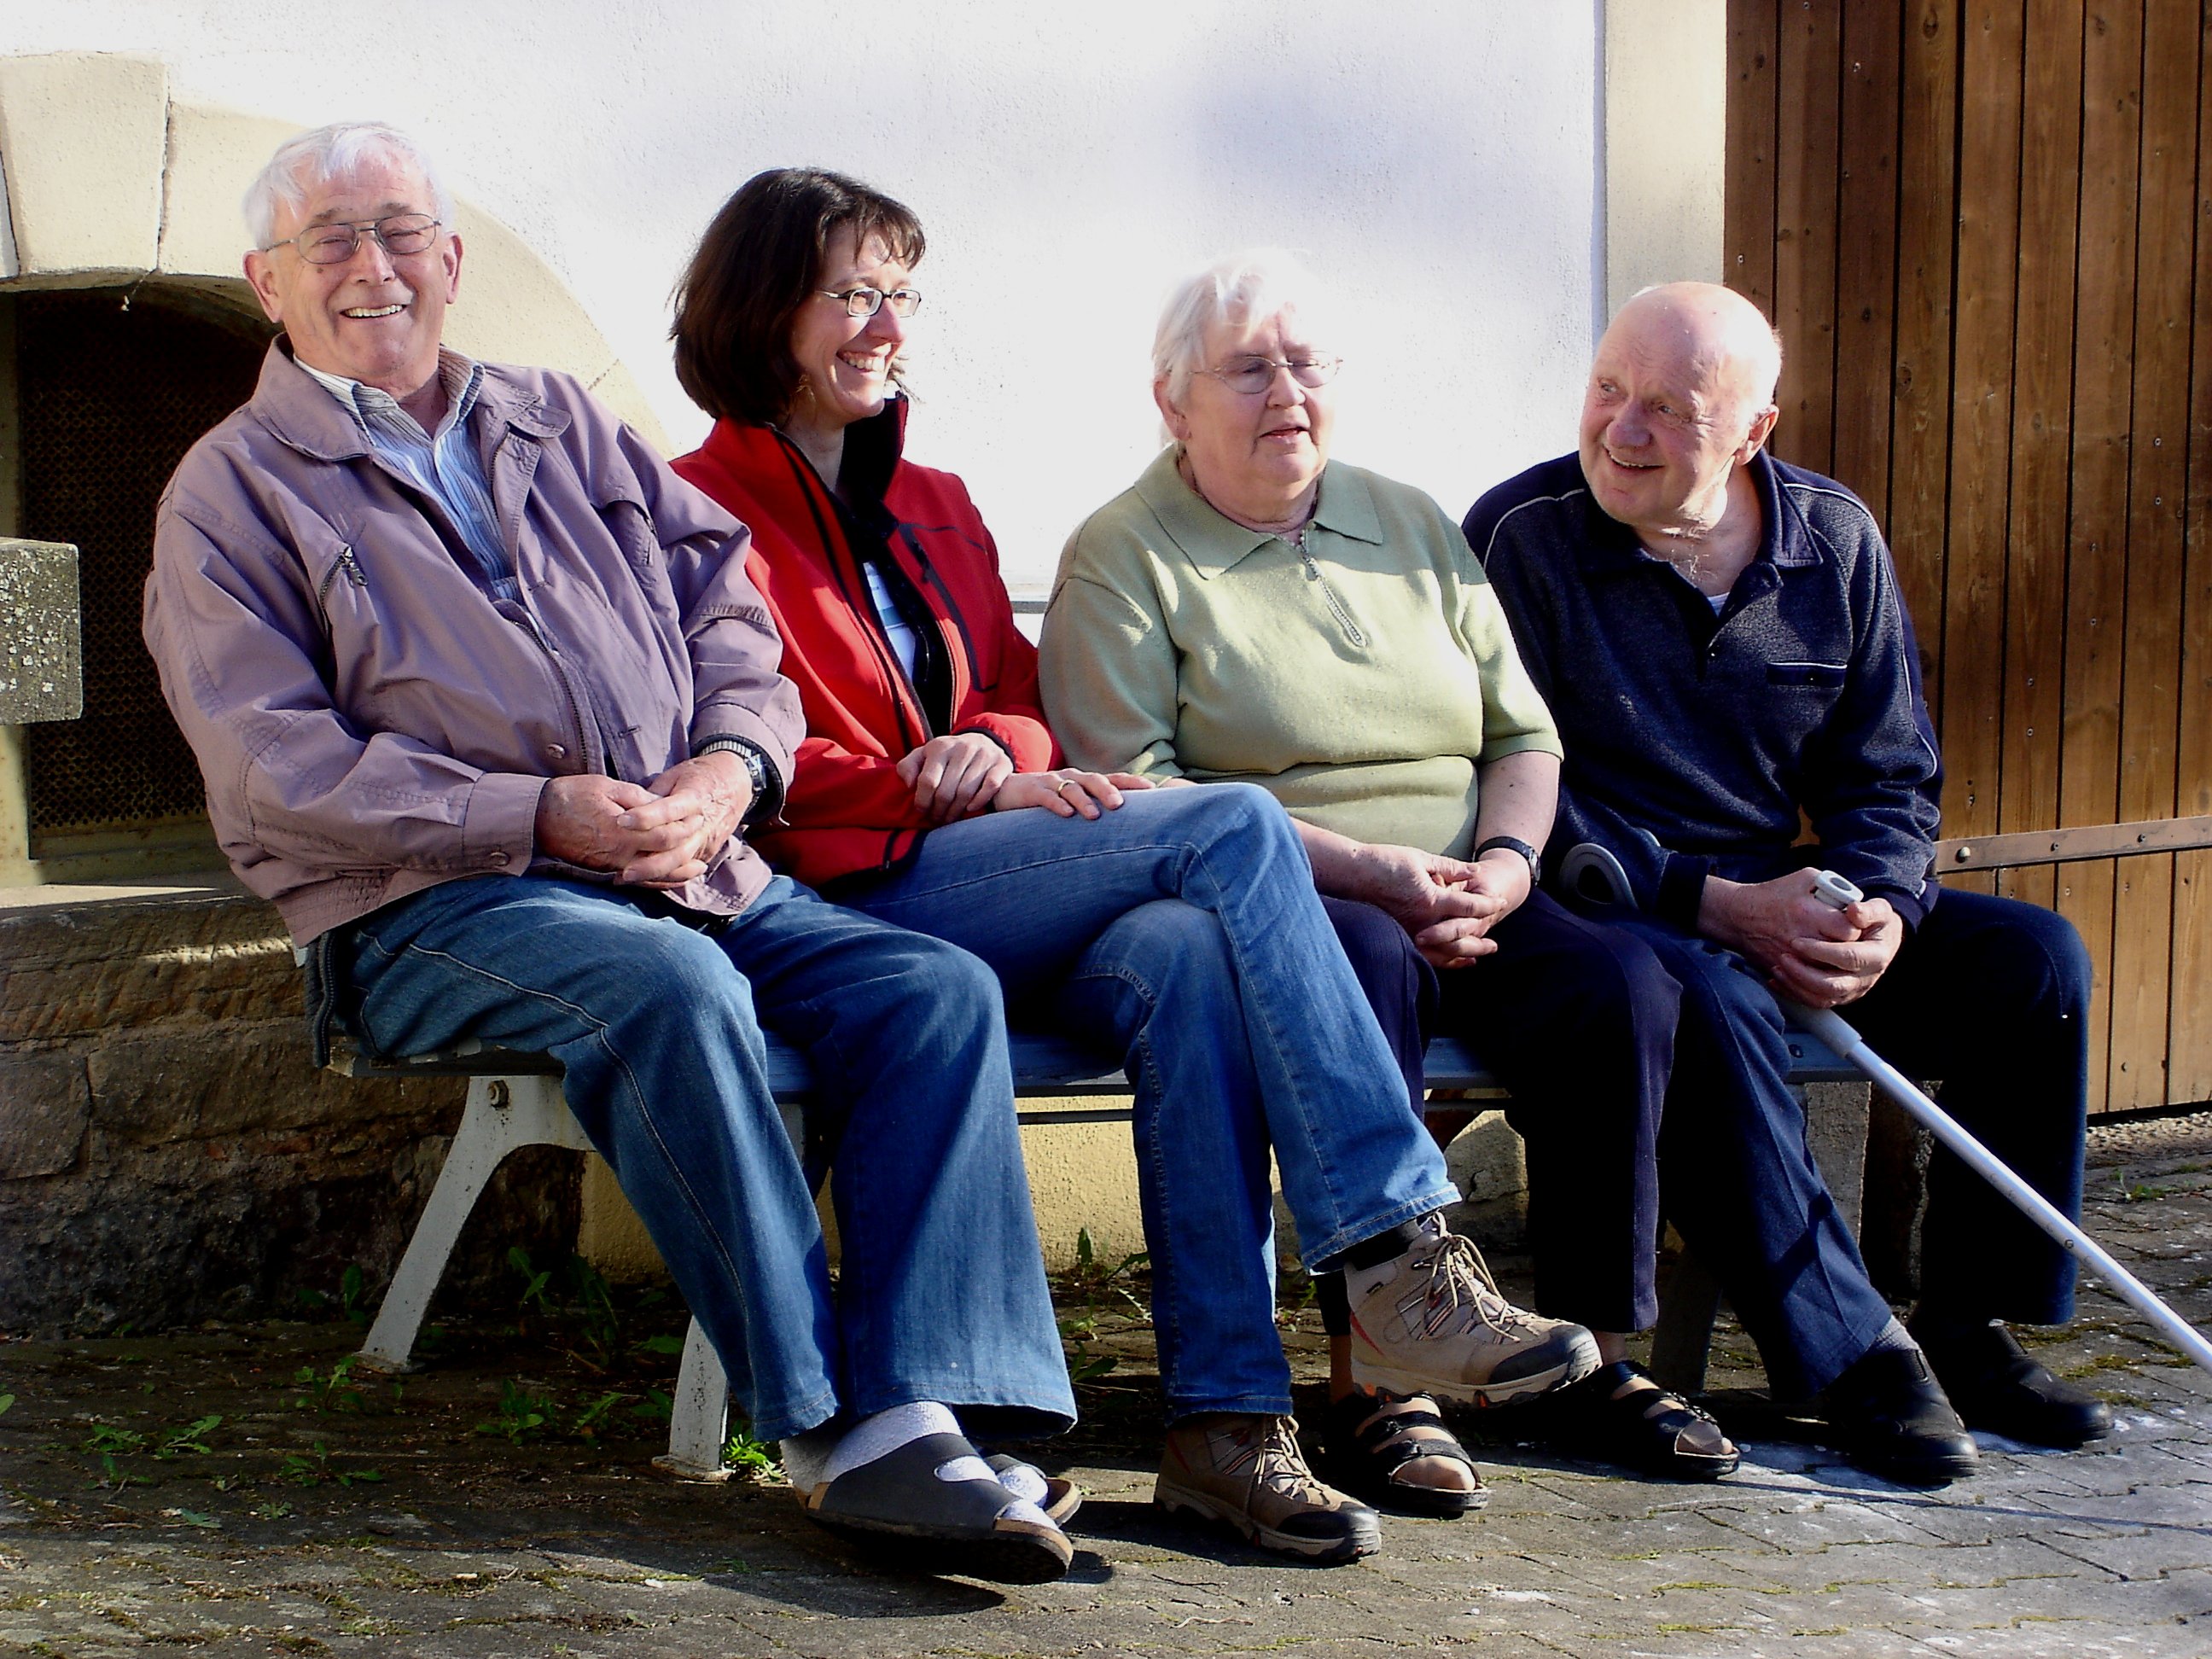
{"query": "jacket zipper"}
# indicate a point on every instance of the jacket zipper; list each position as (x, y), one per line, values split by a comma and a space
(435, 512)
(905, 700)
(568, 693)
(1352, 630)
(345, 562)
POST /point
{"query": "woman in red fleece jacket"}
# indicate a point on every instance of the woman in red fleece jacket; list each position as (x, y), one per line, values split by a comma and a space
(1179, 926)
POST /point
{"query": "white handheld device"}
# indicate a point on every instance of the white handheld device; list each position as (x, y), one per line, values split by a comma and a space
(1834, 890)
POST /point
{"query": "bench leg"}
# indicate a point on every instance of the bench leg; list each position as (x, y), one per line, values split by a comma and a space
(503, 1114)
(699, 1425)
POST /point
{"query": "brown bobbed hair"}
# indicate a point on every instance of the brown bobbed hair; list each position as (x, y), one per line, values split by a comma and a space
(758, 262)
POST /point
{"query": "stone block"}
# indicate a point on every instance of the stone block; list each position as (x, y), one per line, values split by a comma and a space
(1897, 1151)
(163, 1084)
(79, 966)
(513, 308)
(165, 1235)
(1836, 1124)
(41, 665)
(214, 154)
(83, 134)
(45, 1109)
(1489, 1165)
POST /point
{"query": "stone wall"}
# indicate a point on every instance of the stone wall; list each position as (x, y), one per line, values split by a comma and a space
(167, 1154)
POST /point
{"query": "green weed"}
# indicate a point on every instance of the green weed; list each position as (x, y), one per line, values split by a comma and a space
(522, 1415)
(190, 1439)
(751, 1458)
(591, 1422)
(334, 1390)
(312, 1468)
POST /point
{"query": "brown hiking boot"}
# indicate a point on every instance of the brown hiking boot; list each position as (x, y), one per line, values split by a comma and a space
(1431, 1321)
(1249, 1472)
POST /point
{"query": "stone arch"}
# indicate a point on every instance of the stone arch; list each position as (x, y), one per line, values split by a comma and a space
(108, 183)
(108, 180)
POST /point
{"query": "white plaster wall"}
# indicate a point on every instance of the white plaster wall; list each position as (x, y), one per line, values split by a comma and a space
(1436, 160)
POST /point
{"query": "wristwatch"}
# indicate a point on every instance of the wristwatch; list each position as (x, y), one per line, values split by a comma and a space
(768, 794)
(1515, 844)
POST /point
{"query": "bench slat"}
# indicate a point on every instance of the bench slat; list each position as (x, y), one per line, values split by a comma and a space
(1045, 1066)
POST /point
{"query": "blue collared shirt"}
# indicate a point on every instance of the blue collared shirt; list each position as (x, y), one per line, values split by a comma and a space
(444, 465)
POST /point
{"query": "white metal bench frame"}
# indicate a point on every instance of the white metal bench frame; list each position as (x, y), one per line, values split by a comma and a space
(515, 1101)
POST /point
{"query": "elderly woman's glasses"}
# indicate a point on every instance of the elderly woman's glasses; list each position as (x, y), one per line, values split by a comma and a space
(868, 301)
(398, 234)
(1256, 374)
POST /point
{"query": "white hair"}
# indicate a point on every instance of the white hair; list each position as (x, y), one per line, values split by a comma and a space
(311, 159)
(1245, 287)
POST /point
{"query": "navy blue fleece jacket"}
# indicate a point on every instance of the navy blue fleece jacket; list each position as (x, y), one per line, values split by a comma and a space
(1693, 740)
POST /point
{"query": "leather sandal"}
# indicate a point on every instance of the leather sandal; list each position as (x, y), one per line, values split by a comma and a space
(934, 1506)
(1367, 1438)
(1652, 1430)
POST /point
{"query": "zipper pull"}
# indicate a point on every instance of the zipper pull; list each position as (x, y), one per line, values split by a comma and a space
(351, 566)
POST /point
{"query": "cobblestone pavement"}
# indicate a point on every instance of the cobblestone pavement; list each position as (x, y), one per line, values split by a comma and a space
(500, 1502)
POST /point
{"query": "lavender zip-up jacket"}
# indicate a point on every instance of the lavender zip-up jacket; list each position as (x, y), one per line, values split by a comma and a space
(369, 721)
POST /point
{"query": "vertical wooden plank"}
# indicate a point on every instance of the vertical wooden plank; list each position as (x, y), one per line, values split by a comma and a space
(2190, 1006)
(1973, 635)
(2151, 709)
(2104, 345)
(1920, 406)
(2042, 432)
(1866, 253)
(1808, 73)
(1747, 199)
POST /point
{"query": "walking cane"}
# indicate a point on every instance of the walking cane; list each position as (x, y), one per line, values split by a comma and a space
(1588, 866)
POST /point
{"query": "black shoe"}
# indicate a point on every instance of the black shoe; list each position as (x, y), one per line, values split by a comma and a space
(1997, 1387)
(1891, 1418)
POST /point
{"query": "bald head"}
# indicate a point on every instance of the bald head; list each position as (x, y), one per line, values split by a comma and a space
(1681, 395)
(1717, 336)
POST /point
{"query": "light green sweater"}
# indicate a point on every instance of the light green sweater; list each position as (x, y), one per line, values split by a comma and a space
(1362, 685)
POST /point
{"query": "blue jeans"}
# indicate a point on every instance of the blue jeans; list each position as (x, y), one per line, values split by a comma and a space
(1989, 994)
(1182, 931)
(941, 1292)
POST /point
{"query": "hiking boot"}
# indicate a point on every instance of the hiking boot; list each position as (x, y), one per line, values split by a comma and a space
(1431, 1321)
(1248, 1473)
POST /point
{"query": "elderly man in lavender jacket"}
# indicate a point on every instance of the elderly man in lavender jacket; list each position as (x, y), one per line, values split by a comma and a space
(483, 700)
(1720, 641)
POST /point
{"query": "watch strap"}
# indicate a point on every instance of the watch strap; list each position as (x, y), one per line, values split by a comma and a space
(1515, 844)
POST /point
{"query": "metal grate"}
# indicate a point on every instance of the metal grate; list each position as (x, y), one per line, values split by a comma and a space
(112, 398)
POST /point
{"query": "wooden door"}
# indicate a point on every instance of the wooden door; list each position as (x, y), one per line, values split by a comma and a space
(1977, 225)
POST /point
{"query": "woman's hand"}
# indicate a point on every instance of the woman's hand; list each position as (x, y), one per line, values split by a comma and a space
(956, 776)
(1067, 792)
(1448, 905)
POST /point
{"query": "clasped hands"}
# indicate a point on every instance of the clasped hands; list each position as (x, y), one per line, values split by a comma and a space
(958, 776)
(661, 833)
(1814, 952)
(1449, 905)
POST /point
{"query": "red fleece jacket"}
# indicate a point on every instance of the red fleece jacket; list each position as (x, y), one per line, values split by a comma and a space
(846, 809)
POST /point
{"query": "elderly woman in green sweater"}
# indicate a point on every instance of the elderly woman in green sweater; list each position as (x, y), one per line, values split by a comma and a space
(1250, 610)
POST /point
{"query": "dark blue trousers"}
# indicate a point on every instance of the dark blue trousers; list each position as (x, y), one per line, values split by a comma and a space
(1989, 995)
(1577, 1019)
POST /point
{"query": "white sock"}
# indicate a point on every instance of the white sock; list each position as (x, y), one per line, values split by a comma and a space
(885, 1432)
(805, 1455)
(821, 1456)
